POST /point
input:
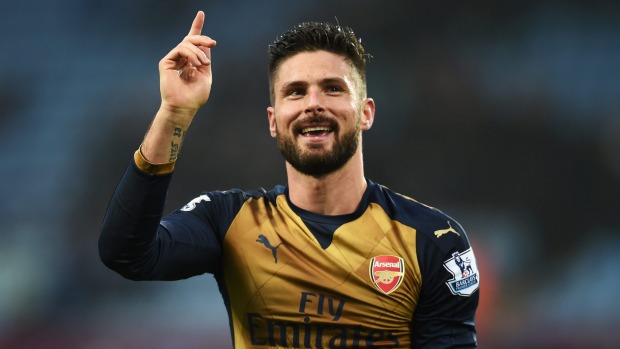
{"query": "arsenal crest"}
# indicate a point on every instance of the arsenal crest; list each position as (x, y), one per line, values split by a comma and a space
(387, 272)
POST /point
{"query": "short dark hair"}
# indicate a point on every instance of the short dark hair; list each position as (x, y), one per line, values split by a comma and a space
(315, 36)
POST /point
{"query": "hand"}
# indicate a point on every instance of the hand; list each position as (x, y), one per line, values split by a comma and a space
(185, 75)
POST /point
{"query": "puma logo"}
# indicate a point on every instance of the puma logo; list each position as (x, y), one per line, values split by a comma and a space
(274, 250)
(440, 232)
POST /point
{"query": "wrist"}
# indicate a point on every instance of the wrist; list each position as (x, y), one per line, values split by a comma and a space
(177, 116)
(146, 166)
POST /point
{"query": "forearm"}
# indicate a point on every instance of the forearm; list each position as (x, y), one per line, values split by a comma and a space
(164, 138)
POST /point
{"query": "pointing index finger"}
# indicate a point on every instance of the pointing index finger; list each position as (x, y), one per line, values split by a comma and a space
(199, 21)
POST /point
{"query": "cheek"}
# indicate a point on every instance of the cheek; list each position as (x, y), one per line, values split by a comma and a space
(349, 109)
(284, 116)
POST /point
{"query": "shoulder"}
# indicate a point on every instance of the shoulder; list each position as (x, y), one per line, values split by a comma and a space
(217, 209)
(232, 198)
(431, 224)
(445, 257)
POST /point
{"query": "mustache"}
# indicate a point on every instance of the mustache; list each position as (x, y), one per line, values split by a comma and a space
(299, 125)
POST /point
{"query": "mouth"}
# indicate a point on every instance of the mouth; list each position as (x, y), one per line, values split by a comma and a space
(315, 131)
(317, 127)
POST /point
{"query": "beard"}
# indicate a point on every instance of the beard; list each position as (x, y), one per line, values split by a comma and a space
(318, 161)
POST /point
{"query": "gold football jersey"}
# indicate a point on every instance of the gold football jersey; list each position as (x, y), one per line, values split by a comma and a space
(286, 290)
(393, 274)
(294, 279)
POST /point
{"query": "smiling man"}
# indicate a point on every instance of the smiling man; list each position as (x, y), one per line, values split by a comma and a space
(329, 260)
(322, 96)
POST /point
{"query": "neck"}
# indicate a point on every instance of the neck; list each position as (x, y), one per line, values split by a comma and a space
(336, 193)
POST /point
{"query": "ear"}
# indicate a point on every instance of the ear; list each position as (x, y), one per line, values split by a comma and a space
(272, 121)
(368, 114)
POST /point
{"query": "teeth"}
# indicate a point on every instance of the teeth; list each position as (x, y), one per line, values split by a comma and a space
(315, 129)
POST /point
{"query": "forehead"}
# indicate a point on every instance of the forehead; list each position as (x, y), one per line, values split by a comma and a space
(312, 66)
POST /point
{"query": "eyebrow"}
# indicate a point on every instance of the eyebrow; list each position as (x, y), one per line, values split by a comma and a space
(322, 82)
(328, 81)
(293, 84)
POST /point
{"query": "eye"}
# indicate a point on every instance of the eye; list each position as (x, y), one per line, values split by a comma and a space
(334, 89)
(294, 92)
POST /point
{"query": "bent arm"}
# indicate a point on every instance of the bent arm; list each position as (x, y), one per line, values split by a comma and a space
(132, 241)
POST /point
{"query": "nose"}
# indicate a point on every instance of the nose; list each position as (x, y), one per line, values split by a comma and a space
(314, 102)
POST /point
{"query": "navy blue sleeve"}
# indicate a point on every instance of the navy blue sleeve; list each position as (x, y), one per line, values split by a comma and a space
(444, 316)
(136, 243)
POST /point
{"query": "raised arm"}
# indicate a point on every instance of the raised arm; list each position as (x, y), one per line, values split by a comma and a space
(185, 80)
(132, 240)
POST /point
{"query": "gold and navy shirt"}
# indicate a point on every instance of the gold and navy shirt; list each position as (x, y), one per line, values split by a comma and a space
(393, 274)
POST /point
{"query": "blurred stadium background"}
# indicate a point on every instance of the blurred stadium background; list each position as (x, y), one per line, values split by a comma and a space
(504, 114)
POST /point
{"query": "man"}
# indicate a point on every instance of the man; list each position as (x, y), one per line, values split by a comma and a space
(331, 260)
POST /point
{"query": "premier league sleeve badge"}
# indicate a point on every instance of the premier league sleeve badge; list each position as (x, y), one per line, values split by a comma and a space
(466, 278)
